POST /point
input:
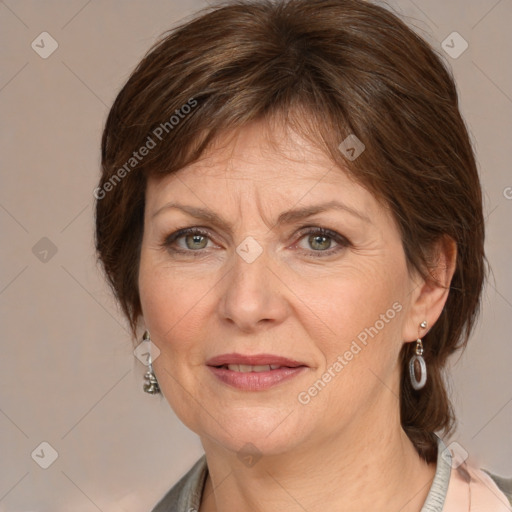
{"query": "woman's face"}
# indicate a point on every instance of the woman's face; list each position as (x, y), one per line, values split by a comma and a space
(261, 284)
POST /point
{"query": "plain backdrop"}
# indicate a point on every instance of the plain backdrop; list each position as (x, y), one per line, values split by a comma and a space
(68, 376)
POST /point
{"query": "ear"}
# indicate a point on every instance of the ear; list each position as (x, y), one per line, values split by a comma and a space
(428, 296)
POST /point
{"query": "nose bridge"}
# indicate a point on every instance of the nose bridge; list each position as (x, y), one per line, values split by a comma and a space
(251, 294)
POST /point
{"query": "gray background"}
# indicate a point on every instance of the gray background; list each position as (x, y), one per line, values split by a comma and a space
(68, 376)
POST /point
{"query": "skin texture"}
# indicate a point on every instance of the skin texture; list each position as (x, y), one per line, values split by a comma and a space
(346, 443)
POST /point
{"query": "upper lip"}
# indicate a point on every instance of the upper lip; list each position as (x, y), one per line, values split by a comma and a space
(252, 360)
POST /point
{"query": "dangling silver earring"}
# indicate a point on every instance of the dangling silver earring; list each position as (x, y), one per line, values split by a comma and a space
(150, 382)
(417, 364)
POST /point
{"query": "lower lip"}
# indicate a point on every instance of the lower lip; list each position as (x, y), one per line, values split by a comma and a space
(256, 381)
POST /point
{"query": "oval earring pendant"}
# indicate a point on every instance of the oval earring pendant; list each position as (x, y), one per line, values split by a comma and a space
(417, 366)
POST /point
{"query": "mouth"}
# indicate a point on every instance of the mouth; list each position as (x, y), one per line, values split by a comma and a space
(254, 373)
(246, 368)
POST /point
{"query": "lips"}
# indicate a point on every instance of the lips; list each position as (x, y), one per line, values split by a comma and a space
(245, 368)
(254, 373)
(254, 360)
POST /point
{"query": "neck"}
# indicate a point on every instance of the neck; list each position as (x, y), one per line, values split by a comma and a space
(375, 467)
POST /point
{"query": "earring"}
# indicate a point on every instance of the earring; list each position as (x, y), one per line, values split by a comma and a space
(150, 382)
(417, 364)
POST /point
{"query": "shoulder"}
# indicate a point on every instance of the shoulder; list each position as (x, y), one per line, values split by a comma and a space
(471, 488)
(185, 495)
(503, 484)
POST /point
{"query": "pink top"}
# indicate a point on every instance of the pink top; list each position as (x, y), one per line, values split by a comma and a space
(474, 490)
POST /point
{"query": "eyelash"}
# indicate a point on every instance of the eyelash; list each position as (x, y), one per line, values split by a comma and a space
(342, 241)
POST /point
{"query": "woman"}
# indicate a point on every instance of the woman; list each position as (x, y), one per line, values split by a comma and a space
(291, 212)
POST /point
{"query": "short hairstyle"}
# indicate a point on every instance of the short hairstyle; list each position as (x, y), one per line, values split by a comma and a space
(329, 69)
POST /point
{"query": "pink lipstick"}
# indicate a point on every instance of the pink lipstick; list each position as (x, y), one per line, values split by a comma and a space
(254, 372)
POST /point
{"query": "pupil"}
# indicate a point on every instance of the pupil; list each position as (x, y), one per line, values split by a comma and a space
(196, 239)
(320, 241)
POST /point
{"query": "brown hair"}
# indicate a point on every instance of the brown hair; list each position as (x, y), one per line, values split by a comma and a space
(329, 68)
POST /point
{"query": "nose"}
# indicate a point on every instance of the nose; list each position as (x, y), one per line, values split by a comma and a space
(254, 296)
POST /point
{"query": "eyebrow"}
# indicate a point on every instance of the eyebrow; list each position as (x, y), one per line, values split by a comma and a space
(287, 217)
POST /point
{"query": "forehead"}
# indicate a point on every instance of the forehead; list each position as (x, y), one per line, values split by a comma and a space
(252, 180)
(273, 167)
(260, 153)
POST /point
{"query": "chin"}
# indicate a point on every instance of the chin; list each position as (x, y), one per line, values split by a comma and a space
(261, 430)
(256, 444)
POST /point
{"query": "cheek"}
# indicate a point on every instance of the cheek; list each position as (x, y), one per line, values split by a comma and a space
(356, 326)
(172, 306)
(359, 357)
(354, 304)
(170, 297)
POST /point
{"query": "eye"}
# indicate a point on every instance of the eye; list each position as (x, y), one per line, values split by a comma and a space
(321, 240)
(187, 240)
(315, 241)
